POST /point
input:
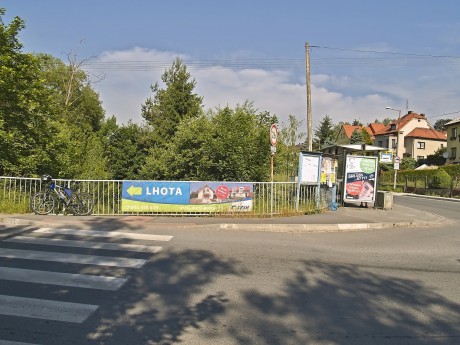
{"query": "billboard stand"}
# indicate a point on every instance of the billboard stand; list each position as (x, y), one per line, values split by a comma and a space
(309, 173)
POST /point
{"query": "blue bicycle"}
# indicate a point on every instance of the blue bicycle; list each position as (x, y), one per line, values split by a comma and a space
(45, 202)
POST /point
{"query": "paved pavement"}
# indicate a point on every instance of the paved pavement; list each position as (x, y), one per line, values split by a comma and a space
(349, 218)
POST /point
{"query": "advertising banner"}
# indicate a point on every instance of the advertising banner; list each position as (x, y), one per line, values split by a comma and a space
(163, 196)
(360, 178)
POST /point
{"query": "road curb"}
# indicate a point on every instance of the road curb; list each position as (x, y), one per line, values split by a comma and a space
(268, 227)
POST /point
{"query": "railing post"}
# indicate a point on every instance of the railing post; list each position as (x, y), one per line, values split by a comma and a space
(271, 200)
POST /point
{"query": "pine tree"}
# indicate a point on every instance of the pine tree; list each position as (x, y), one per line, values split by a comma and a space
(172, 104)
(324, 133)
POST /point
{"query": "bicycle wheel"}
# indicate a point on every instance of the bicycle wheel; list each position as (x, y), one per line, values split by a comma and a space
(42, 203)
(81, 204)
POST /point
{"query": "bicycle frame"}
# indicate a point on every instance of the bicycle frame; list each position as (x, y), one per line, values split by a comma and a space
(61, 192)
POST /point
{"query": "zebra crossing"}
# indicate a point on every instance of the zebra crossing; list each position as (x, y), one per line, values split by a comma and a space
(44, 242)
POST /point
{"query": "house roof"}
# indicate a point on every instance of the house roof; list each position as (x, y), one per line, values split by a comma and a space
(376, 127)
(427, 133)
(454, 121)
(400, 123)
(349, 129)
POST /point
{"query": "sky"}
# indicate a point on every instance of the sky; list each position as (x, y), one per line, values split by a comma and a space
(365, 55)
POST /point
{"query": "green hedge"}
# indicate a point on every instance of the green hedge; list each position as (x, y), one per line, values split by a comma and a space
(452, 170)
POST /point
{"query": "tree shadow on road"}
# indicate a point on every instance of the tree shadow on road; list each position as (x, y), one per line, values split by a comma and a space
(346, 304)
(162, 300)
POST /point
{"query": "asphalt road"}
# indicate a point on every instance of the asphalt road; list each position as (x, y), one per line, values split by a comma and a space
(389, 286)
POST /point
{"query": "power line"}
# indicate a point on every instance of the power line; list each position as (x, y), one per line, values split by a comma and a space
(446, 114)
(385, 59)
(391, 53)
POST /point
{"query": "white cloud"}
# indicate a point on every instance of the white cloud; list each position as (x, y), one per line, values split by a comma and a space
(343, 98)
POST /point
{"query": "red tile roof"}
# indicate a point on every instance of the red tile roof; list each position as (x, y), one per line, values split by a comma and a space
(349, 129)
(427, 133)
(400, 123)
(376, 127)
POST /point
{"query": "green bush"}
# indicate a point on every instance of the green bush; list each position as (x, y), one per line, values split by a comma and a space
(440, 179)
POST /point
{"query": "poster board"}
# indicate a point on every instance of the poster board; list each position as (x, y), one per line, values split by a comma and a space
(309, 168)
(360, 178)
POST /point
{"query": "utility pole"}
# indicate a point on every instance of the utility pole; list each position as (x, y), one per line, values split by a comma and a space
(309, 125)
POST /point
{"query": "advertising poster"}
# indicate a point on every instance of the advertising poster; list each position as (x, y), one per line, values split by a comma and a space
(153, 196)
(328, 170)
(361, 178)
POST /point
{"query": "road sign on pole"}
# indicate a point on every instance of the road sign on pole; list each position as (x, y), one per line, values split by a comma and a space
(273, 135)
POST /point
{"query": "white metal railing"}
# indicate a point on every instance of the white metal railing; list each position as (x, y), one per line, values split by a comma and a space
(269, 198)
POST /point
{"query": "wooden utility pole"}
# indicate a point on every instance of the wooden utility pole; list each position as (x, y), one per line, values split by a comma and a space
(309, 125)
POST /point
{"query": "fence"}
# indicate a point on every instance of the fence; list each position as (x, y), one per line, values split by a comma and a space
(427, 185)
(269, 198)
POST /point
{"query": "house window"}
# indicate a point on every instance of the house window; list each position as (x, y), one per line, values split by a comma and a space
(380, 143)
(392, 127)
(393, 143)
(453, 153)
(453, 133)
(421, 145)
(420, 157)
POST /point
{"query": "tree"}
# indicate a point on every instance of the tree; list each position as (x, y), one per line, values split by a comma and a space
(225, 145)
(125, 149)
(356, 137)
(27, 131)
(324, 133)
(356, 122)
(79, 117)
(172, 104)
(440, 125)
(436, 158)
(287, 149)
(366, 137)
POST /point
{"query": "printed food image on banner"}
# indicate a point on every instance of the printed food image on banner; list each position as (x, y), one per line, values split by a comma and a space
(360, 178)
(152, 196)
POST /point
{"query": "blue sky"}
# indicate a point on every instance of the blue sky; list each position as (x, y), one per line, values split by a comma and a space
(366, 55)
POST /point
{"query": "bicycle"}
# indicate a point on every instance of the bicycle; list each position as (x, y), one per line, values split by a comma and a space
(45, 202)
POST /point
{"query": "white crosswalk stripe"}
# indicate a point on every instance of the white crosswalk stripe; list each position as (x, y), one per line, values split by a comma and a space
(7, 342)
(67, 311)
(63, 279)
(113, 234)
(71, 258)
(45, 309)
(84, 244)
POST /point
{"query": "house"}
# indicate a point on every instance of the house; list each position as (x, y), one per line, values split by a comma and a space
(346, 131)
(205, 194)
(411, 136)
(453, 141)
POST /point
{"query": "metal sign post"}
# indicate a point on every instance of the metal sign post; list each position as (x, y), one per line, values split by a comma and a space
(273, 142)
(396, 168)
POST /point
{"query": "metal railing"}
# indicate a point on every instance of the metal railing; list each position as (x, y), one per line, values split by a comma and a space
(269, 198)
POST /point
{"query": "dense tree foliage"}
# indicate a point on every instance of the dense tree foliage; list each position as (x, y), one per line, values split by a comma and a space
(440, 125)
(227, 145)
(125, 148)
(26, 115)
(172, 104)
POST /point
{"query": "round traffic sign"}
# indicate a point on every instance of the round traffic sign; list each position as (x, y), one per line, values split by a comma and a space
(273, 135)
(397, 159)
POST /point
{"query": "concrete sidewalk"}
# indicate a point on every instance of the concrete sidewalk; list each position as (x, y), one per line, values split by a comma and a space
(344, 219)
